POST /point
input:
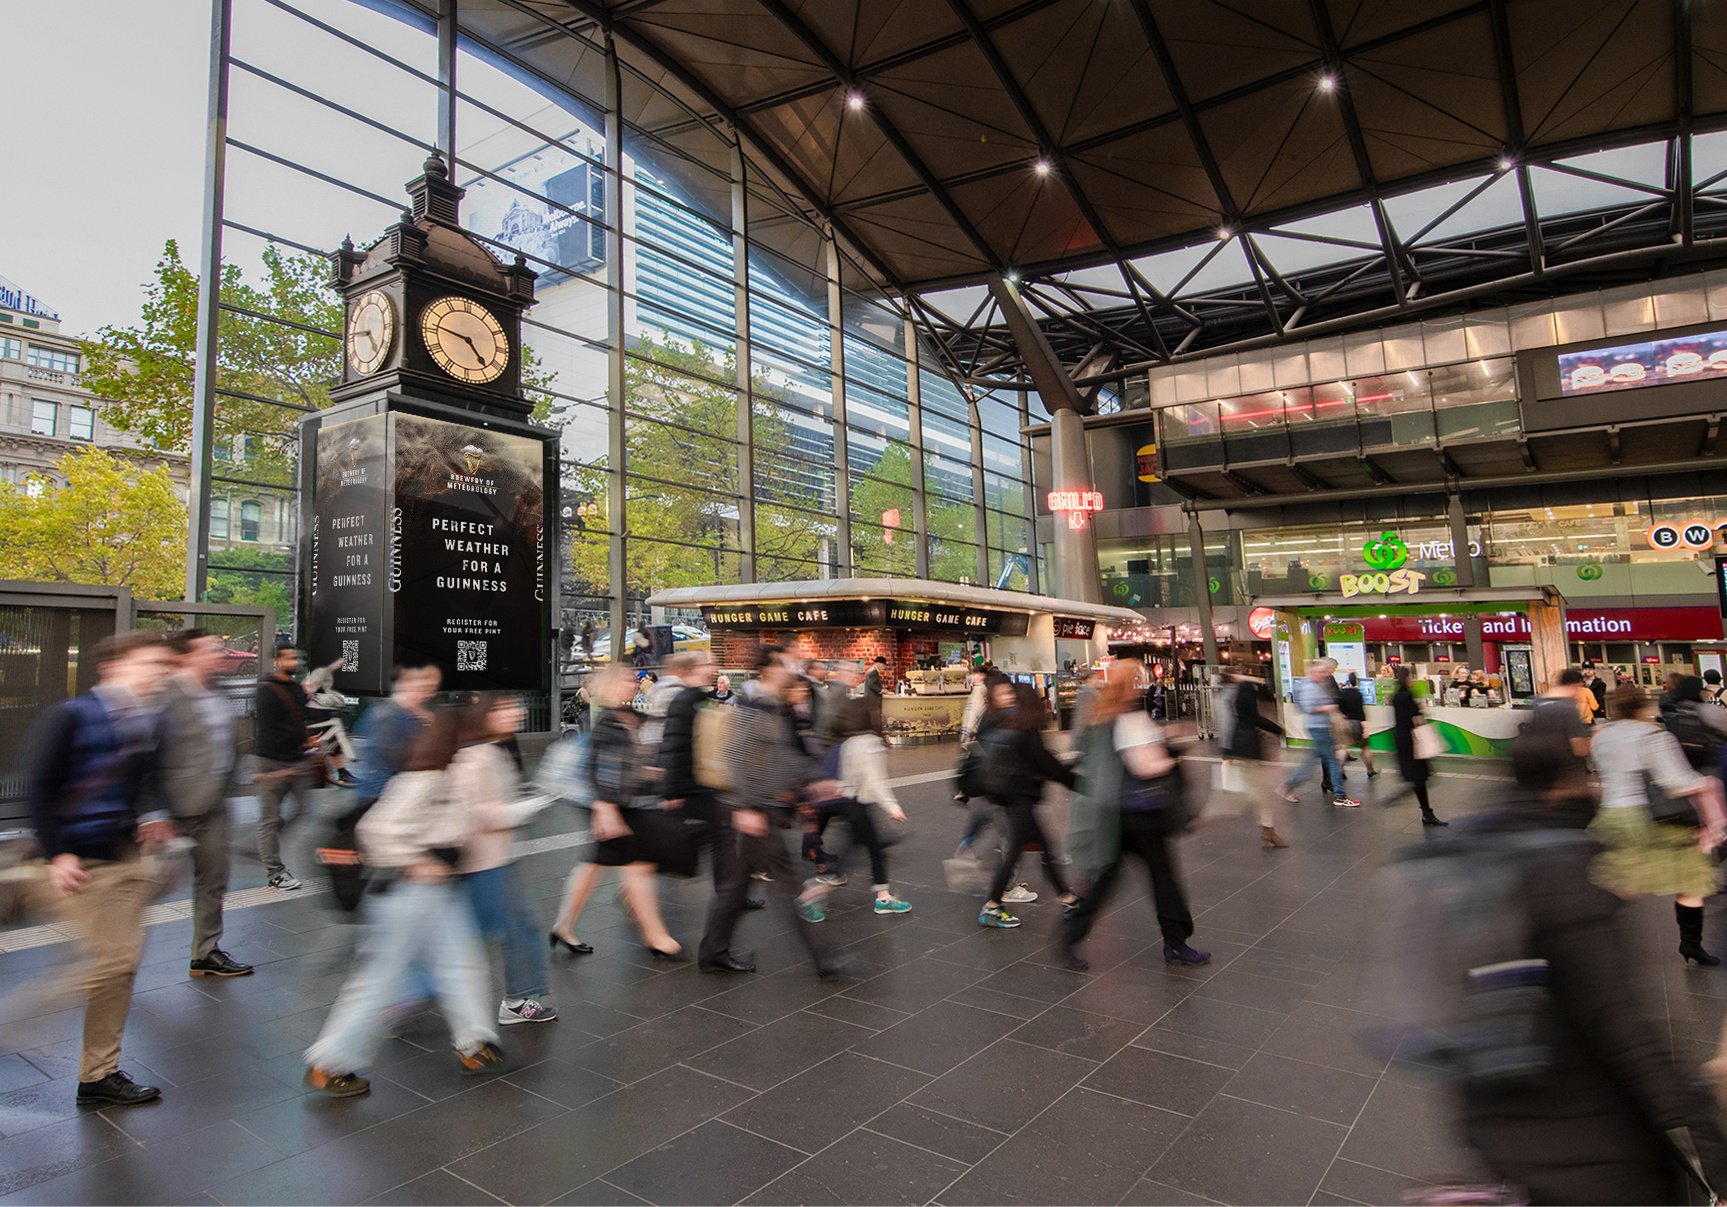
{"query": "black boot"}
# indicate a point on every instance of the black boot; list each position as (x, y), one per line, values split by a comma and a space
(1691, 935)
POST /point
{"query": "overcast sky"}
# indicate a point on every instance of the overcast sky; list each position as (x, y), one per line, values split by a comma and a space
(103, 146)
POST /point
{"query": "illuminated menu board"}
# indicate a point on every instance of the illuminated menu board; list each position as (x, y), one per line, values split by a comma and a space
(1661, 362)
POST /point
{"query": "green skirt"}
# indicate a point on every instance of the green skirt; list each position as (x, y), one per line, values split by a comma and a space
(1646, 858)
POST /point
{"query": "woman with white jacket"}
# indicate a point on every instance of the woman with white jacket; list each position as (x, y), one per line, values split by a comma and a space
(864, 784)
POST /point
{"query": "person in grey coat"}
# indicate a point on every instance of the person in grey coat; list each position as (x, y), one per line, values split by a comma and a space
(195, 776)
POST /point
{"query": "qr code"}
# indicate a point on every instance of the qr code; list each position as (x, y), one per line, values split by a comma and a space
(470, 655)
(351, 656)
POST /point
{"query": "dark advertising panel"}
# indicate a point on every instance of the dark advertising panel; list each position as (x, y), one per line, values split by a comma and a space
(866, 614)
(467, 554)
(348, 568)
(1072, 628)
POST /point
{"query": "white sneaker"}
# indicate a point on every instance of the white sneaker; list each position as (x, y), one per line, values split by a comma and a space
(832, 879)
(524, 1010)
(1018, 895)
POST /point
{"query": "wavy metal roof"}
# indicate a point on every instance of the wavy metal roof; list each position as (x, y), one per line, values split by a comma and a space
(1166, 178)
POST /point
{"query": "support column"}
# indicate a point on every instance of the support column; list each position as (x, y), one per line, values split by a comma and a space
(1475, 649)
(746, 386)
(207, 350)
(1075, 569)
(447, 82)
(919, 481)
(617, 560)
(979, 508)
(1031, 575)
(1202, 589)
(842, 438)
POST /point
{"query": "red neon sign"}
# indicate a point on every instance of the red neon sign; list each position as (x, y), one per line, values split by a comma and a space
(1075, 504)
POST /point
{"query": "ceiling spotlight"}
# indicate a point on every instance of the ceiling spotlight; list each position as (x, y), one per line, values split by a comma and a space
(1224, 234)
(1042, 167)
(1327, 82)
(1506, 163)
(855, 101)
(1012, 278)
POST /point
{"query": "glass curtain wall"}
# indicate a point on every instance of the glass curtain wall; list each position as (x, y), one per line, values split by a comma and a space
(737, 399)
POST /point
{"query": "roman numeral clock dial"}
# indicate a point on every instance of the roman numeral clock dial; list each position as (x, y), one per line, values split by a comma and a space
(465, 339)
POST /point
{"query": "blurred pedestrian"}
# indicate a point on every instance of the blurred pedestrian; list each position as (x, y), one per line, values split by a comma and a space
(90, 758)
(772, 769)
(1313, 694)
(485, 776)
(416, 919)
(1245, 750)
(1406, 716)
(625, 829)
(1597, 688)
(1352, 708)
(1017, 765)
(280, 744)
(1560, 1059)
(324, 705)
(1644, 856)
(864, 788)
(195, 776)
(1129, 805)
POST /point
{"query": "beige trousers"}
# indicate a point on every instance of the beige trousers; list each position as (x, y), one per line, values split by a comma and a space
(108, 913)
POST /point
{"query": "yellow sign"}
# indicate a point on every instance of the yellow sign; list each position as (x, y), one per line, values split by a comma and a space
(1145, 463)
(1398, 582)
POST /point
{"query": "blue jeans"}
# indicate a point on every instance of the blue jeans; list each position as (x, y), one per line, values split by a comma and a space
(424, 926)
(1325, 751)
(503, 914)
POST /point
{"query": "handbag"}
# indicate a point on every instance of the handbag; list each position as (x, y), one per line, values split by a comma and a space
(1667, 809)
(1231, 777)
(1429, 743)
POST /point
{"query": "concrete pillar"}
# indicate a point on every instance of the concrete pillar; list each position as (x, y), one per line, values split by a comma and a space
(1075, 549)
(1202, 589)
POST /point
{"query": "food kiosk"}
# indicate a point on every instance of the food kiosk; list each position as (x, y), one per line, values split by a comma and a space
(930, 634)
(1479, 719)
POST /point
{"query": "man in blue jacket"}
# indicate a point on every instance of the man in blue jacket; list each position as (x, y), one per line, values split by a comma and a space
(92, 756)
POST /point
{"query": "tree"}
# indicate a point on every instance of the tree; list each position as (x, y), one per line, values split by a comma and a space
(242, 575)
(113, 523)
(883, 540)
(681, 425)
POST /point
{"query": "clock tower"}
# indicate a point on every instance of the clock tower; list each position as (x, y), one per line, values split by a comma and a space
(427, 496)
(430, 311)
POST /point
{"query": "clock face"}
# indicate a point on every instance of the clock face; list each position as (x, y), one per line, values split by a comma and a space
(465, 339)
(371, 332)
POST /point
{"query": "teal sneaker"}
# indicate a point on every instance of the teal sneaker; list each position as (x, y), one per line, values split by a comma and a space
(812, 911)
(998, 918)
(892, 905)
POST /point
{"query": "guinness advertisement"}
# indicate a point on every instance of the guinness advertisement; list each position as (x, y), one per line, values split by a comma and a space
(349, 549)
(867, 614)
(428, 544)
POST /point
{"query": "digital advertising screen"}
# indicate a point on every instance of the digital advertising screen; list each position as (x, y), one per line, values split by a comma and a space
(1699, 357)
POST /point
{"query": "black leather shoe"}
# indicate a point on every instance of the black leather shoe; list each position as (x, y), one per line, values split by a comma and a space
(220, 963)
(755, 903)
(830, 968)
(727, 963)
(116, 1089)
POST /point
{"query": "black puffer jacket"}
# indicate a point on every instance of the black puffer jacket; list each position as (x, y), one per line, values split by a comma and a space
(1247, 723)
(1594, 1130)
(1030, 762)
(677, 756)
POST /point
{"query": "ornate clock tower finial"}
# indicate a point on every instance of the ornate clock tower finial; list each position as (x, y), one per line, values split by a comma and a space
(433, 195)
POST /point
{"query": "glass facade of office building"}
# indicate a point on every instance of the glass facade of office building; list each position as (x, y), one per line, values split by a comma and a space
(777, 418)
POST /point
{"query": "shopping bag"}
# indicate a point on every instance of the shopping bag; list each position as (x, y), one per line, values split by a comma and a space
(1231, 777)
(1429, 743)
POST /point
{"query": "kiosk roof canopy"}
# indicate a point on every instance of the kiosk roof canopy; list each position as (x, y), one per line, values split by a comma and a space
(1428, 602)
(887, 588)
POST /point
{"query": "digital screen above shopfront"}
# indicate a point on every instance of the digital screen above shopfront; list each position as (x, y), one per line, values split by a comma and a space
(1662, 362)
(867, 614)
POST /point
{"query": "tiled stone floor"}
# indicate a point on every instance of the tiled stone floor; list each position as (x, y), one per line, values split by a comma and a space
(952, 1065)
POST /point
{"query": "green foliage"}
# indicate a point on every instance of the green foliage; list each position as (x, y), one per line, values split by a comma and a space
(680, 431)
(113, 523)
(270, 371)
(236, 577)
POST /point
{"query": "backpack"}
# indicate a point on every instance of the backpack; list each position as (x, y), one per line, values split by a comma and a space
(1456, 976)
(1695, 738)
(712, 743)
(999, 772)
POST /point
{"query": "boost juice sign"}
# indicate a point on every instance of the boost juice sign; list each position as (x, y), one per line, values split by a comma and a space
(1395, 582)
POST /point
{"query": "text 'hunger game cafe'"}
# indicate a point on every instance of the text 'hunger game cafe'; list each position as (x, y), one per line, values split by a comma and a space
(928, 634)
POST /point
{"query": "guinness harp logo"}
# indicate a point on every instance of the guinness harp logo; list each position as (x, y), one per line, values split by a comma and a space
(475, 457)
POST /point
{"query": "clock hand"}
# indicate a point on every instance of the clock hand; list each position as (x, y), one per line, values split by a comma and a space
(477, 357)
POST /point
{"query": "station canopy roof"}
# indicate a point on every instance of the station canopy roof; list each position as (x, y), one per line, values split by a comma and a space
(1169, 178)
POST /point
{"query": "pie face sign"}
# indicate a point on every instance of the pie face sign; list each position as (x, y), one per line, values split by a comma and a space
(1397, 582)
